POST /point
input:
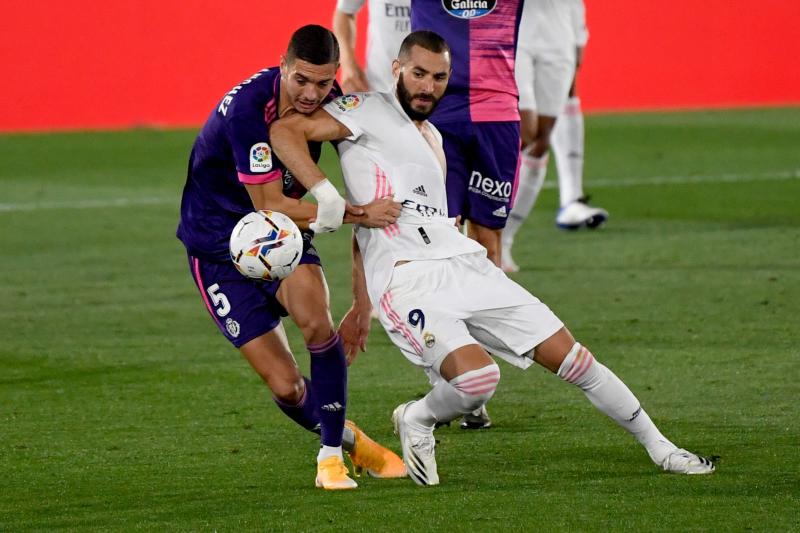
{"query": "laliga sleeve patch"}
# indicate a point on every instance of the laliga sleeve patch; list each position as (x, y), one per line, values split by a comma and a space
(260, 158)
(348, 102)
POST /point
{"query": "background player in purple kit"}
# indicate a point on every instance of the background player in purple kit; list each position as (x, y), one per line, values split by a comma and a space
(478, 118)
(231, 171)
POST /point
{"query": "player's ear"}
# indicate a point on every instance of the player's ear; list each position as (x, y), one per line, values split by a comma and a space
(395, 67)
(283, 66)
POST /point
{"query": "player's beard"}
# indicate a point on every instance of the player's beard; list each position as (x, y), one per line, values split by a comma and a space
(406, 98)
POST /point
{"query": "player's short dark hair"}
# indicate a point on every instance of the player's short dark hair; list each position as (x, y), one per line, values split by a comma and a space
(314, 44)
(427, 39)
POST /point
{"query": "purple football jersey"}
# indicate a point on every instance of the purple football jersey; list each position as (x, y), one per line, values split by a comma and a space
(482, 35)
(233, 149)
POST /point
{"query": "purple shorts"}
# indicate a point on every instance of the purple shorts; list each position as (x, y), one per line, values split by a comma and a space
(482, 168)
(242, 308)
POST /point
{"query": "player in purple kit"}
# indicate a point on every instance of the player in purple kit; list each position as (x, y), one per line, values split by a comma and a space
(478, 117)
(232, 171)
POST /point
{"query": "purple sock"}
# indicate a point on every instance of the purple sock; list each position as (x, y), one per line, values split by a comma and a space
(305, 412)
(329, 380)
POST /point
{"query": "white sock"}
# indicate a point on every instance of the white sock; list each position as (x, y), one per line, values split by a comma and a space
(329, 451)
(532, 172)
(463, 394)
(567, 145)
(611, 396)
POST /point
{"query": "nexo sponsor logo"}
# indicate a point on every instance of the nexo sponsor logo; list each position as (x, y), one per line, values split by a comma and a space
(469, 9)
(489, 187)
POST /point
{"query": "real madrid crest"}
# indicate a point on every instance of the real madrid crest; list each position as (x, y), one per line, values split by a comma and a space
(429, 339)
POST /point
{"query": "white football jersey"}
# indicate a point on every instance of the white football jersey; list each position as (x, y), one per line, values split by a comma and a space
(552, 25)
(389, 23)
(386, 155)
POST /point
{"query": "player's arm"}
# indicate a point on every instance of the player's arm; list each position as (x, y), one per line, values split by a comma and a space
(344, 27)
(270, 196)
(354, 327)
(290, 137)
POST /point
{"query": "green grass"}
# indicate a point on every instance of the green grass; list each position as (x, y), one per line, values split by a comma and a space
(122, 408)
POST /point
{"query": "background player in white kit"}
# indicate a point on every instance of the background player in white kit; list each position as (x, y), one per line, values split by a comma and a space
(389, 23)
(442, 302)
(551, 33)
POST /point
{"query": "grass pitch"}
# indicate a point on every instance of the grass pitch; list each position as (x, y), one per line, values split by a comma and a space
(124, 409)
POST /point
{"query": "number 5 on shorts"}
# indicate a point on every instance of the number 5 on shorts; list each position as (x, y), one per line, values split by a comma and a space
(220, 301)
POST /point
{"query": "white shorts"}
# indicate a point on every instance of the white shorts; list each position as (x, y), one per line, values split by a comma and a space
(543, 79)
(433, 307)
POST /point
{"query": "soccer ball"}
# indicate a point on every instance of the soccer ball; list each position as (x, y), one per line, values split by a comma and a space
(266, 245)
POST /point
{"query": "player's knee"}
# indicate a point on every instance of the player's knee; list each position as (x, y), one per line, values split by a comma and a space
(476, 387)
(289, 391)
(316, 328)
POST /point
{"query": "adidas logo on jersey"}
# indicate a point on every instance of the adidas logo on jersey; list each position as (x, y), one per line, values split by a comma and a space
(335, 406)
(421, 191)
(500, 212)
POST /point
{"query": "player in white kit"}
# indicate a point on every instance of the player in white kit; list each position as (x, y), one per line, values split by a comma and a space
(441, 300)
(551, 34)
(389, 23)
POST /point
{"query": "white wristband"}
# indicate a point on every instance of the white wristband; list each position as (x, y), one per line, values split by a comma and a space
(324, 191)
(330, 207)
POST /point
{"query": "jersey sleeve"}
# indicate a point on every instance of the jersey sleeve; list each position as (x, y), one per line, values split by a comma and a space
(352, 110)
(578, 13)
(350, 7)
(249, 138)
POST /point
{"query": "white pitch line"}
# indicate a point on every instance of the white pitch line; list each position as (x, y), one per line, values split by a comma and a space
(591, 183)
(684, 180)
(90, 204)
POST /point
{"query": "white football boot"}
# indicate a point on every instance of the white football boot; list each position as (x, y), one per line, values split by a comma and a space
(580, 213)
(681, 461)
(418, 448)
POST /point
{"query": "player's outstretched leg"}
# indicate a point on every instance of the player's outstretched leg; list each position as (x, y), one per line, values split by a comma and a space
(611, 396)
(414, 421)
(329, 379)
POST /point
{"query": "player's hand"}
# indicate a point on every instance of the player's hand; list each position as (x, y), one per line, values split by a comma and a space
(330, 208)
(352, 213)
(380, 213)
(354, 329)
(354, 80)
